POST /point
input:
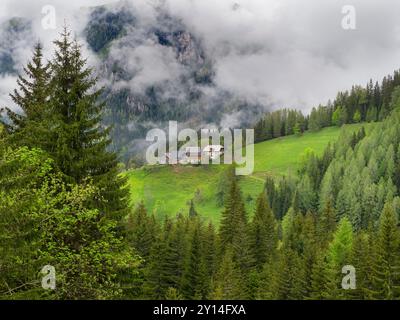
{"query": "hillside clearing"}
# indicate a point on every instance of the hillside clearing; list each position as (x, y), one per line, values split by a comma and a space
(167, 190)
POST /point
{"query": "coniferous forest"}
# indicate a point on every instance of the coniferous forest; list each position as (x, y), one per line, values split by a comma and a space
(64, 202)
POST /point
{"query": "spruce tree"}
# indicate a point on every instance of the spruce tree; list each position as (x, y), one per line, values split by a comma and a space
(326, 223)
(141, 232)
(298, 274)
(268, 286)
(210, 244)
(324, 280)
(310, 246)
(160, 273)
(194, 278)
(228, 282)
(362, 258)
(173, 294)
(156, 282)
(387, 267)
(318, 278)
(30, 127)
(234, 232)
(233, 206)
(80, 144)
(177, 247)
(291, 276)
(263, 236)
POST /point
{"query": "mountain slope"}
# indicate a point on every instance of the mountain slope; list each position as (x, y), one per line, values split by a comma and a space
(167, 190)
(156, 71)
(153, 69)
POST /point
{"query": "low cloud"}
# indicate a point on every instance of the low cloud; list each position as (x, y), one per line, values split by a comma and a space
(276, 52)
(150, 63)
(294, 53)
(7, 85)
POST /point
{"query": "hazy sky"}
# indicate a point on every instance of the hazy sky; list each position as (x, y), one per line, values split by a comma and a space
(293, 53)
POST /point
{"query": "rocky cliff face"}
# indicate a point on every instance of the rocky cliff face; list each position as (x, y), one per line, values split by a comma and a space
(153, 70)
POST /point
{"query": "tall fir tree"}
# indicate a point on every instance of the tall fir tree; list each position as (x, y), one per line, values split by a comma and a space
(195, 283)
(141, 231)
(228, 282)
(291, 276)
(80, 144)
(160, 271)
(324, 280)
(362, 257)
(387, 264)
(326, 223)
(30, 126)
(234, 233)
(263, 235)
(233, 204)
(210, 246)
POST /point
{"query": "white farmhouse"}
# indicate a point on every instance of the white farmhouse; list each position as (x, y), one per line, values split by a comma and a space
(214, 151)
(192, 155)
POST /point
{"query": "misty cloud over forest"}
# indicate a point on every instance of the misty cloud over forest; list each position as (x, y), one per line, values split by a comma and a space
(268, 53)
(288, 52)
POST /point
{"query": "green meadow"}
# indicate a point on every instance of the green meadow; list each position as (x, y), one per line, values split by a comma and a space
(168, 190)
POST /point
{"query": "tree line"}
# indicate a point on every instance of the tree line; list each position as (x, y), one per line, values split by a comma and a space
(360, 104)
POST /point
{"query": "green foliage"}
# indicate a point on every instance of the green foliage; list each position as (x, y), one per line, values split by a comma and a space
(91, 253)
(278, 124)
(263, 233)
(61, 196)
(62, 116)
(357, 117)
(22, 172)
(173, 294)
(54, 227)
(228, 283)
(341, 245)
(338, 117)
(32, 127)
(387, 265)
(195, 281)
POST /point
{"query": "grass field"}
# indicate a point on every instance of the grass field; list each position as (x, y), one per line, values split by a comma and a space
(167, 190)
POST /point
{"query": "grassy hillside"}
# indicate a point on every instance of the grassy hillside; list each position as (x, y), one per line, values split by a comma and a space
(282, 155)
(169, 189)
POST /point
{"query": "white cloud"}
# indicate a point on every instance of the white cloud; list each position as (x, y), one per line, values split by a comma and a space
(151, 64)
(292, 52)
(287, 52)
(7, 85)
